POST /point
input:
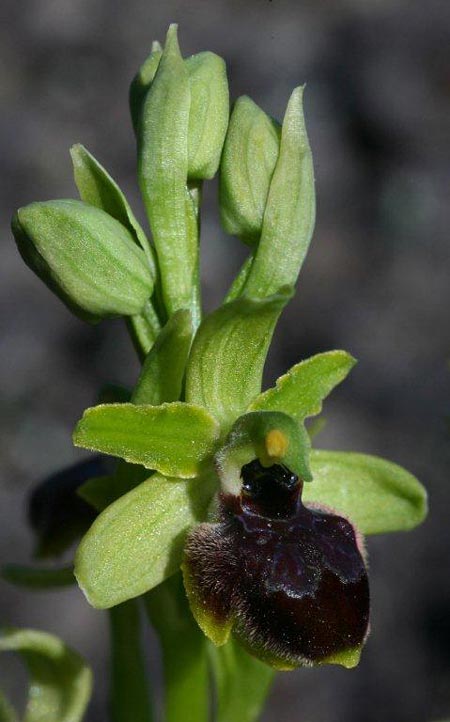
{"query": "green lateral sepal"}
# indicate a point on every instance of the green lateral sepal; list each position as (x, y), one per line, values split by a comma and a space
(376, 495)
(138, 540)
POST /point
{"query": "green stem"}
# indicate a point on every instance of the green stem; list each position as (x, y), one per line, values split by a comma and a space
(195, 189)
(184, 651)
(129, 696)
(143, 329)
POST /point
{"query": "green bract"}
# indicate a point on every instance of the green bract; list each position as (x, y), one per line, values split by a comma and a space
(225, 367)
(211, 468)
(85, 256)
(97, 188)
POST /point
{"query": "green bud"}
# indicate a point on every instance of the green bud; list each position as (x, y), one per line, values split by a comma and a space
(208, 114)
(249, 158)
(85, 257)
(142, 82)
(289, 215)
(163, 172)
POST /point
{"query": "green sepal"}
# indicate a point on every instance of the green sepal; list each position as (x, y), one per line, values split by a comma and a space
(184, 652)
(60, 681)
(163, 172)
(38, 578)
(85, 257)
(162, 374)
(176, 439)
(129, 692)
(142, 82)
(376, 495)
(208, 113)
(290, 209)
(242, 683)
(249, 158)
(227, 358)
(138, 541)
(248, 440)
(97, 188)
(302, 389)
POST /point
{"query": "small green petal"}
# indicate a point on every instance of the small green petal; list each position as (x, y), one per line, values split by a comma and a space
(377, 495)
(176, 439)
(302, 389)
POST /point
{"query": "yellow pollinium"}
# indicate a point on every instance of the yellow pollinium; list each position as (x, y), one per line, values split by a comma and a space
(276, 444)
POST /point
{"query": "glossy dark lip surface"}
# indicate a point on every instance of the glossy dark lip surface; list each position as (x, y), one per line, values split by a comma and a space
(295, 586)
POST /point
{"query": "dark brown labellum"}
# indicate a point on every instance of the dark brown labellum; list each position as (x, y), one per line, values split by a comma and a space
(291, 580)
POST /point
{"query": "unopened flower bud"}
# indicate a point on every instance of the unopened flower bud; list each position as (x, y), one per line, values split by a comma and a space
(208, 114)
(85, 257)
(249, 157)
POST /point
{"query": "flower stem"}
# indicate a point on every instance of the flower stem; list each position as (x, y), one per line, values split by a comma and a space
(129, 696)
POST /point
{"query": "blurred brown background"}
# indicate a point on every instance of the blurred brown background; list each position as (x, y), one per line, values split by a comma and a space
(376, 282)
